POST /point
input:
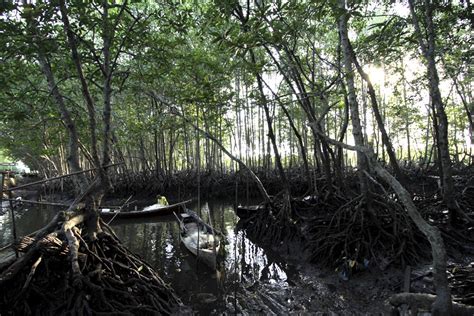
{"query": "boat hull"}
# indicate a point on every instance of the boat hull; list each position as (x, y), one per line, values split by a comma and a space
(200, 239)
(245, 212)
(148, 213)
(208, 256)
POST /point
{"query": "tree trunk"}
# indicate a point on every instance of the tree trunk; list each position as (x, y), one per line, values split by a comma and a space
(254, 177)
(73, 142)
(339, 164)
(293, 78)
(107, 93)
(442, 304)
(375, 107)
(92, 222)
(271, 135)
(73, 155)
(407, 116)
(351, 96)
(428, 49)
(84, 86)
(301, 146)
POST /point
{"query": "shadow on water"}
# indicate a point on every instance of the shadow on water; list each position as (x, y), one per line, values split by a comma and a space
(244, 269)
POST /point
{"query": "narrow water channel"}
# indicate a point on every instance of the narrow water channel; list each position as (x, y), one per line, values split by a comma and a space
(244, 266)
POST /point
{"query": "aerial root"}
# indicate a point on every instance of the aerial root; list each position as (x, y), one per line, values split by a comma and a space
(63, 272)
(362, 229)
(461, 281)
(273, 224)
(337, 229)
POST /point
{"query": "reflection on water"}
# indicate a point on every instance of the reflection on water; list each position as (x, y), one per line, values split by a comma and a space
(243, 263)
(28, 219)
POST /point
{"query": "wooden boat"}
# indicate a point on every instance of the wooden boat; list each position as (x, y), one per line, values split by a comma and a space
(147, 212)
(199, 238)
(144, 220)
(247, 211)
(6, 205)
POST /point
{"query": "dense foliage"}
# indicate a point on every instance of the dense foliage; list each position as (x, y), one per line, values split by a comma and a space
(208, 59)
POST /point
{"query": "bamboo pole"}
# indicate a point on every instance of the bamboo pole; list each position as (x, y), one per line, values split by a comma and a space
(59, 177)
(63, 204)
(37, 202)
(120, 209)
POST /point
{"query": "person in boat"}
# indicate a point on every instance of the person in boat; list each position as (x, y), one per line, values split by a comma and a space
(161, 200)
(8, 182)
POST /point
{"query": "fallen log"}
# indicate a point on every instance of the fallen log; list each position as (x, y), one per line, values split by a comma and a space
(424, 302)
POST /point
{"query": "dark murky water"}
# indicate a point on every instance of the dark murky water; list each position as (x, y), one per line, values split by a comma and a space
(244, 266)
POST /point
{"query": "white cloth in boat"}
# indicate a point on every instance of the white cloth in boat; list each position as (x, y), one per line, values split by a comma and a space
(206, 241)
(153, 207)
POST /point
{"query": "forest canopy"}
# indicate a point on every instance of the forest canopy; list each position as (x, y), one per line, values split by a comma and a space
(218, 65)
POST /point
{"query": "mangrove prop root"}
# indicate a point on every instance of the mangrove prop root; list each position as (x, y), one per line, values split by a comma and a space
(347, 226)
(461, 281)
(379, 231)
(273, 225)
(61, 273)
(335, 228)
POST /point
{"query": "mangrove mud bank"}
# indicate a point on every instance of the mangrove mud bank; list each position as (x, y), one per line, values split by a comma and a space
(352, 232)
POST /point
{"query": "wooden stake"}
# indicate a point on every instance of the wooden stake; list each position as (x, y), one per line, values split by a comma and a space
(406, 280)
(11, 212)
(13, 220)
